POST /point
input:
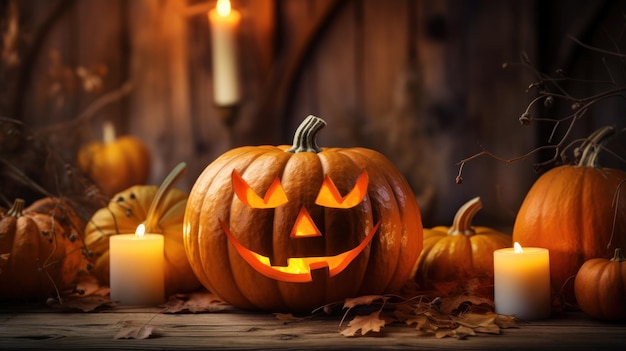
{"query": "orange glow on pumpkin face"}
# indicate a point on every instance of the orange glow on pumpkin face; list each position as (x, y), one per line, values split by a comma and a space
(298, 269)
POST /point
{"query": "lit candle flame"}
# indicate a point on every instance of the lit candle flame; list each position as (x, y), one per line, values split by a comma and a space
(517, 247)
(223, 8)
(140, 231)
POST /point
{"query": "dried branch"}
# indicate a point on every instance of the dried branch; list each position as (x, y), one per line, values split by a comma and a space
(93, 108)
(550, 89)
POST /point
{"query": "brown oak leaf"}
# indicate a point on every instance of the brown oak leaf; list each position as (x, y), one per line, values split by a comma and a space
(365, 324)
(195, 302)
(82, 303)
(460, 332)
(505, 321)
(482, 323)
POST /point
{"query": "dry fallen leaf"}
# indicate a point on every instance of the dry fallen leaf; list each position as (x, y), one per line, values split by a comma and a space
(131, 331)
(81, 303)
(460, 332)
(196, 302)
(87, 296)
(363, 300)
(482, 323)
(455, 316)
(89, 285)
(365, 324)
(505, 321)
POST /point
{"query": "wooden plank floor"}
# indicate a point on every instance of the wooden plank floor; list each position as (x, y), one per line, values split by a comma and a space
(53, 330)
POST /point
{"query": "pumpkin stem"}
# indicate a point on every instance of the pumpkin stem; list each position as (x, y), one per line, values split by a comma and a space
(152, 217)
(618, 256)
(305, 138)
(462, 223)
(108, 132)
(16, 209)
(591, 147)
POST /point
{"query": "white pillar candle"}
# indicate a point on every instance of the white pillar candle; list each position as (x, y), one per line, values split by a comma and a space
(522, 282)
(137, 268)
(224, 25)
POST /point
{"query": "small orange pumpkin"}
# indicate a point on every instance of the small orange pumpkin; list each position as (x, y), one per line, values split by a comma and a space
(115, 164)
(460, 252)
(572, 210)
(600, 287)
(292, 228)
(41, 249)
(162, 210)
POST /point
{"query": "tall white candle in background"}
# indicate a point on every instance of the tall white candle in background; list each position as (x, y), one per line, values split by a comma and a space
(137, 268)
(522, 282)
(224, 25)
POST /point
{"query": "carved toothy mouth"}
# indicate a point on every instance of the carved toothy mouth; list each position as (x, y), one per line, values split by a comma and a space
(298, 269)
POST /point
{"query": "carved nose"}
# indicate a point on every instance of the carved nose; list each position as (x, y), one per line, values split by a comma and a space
(304, 227)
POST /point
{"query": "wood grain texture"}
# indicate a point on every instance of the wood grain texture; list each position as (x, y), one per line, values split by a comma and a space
(420, 81)
(248, 331)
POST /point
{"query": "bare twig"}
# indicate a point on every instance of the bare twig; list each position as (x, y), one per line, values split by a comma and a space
(551, 89)
(97, 105)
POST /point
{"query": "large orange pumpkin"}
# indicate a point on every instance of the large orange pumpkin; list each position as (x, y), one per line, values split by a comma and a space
(575, 211)
(460, 252)
(131, 207)
(283, 228)
(41, 249)
(115, 163)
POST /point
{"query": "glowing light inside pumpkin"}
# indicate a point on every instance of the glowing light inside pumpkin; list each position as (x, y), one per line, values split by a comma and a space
(517, 248)
(223, 8)
(140, 231)
(298, 269)
(304, 226)
(329, 195)
(274, 197)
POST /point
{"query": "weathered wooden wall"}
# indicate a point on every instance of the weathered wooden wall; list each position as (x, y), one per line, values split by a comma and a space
(421, 81)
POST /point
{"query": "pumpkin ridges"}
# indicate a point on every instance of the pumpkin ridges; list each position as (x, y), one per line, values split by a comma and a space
(256, 286)
(379, 273)
(124, 212)
(215, 186)
(582, 205)
(460, 252)
(600, 288)
(270, 161)
(213, 182)
(485, 249)
(336, 165)
(334, 231)
(407, 212)
(22, 260)
(126, 157)
(45, 250)
(582, 219)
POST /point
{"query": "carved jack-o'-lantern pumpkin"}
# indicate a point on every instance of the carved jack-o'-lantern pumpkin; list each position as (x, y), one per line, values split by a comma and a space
(293, 228)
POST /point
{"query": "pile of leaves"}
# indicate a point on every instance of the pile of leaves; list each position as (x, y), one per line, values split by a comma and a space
(455, 309)
(438, 317)
(449, 310)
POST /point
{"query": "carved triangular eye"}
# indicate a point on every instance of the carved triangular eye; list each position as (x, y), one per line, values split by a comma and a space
(274, 197)
(329, 195)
